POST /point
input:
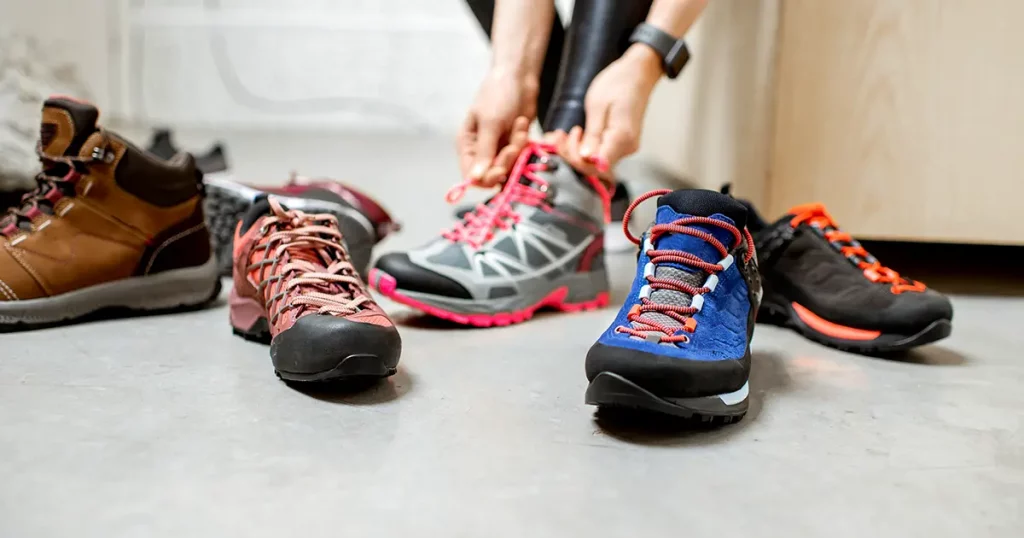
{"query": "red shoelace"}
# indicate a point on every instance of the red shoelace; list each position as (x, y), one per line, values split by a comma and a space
(304, 264)
(817, 217)
(523, 186)
(683, 314)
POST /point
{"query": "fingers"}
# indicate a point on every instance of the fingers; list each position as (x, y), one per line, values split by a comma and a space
(506, 158)
(597, 118)
(465, 143)
(570, 151)
(556, 138)
(488, 136)
(618, 141)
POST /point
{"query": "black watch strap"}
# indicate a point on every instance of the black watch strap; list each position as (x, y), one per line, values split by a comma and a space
(673, 52)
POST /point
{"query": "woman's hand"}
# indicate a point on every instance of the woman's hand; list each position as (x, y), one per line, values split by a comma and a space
(498, 120)
(615, 106)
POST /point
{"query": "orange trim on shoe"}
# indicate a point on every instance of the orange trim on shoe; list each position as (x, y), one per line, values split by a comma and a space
(834, 330)
(816, 216)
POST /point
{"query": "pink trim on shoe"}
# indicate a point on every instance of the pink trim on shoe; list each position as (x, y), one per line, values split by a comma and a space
(387, 285)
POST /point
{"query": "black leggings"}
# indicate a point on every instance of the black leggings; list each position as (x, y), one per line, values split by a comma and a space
(598, 34)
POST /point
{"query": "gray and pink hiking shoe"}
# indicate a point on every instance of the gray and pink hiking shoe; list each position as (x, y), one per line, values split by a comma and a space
(537, 243)
(296, 288)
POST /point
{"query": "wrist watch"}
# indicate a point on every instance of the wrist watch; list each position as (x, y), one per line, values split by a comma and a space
(673, 52)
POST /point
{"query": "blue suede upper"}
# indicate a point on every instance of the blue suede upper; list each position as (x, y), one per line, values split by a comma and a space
(721, 332)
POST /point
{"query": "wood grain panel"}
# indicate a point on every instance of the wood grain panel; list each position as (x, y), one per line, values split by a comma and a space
(906, 117)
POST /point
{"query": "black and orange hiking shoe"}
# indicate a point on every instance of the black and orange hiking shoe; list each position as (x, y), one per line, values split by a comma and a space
(822, 283)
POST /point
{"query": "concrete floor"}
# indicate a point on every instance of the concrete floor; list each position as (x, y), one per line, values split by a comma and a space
(170, 426)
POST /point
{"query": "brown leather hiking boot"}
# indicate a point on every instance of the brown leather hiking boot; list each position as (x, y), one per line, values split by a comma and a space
(108, 227)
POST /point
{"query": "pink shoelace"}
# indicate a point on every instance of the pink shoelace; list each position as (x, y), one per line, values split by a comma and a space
(479, 225)
(682, 314)
(307, 257)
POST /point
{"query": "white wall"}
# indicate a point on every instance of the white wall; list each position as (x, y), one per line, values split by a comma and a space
(360, 64)
(73, 35)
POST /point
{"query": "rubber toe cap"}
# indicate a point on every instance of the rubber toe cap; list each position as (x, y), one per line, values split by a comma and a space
(412, 277)
(666, 376)
(328, 345)
(913, 311)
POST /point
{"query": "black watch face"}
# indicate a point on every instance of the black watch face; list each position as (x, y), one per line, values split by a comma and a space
(677, 58)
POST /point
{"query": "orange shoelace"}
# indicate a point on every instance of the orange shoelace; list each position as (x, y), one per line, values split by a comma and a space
(816, 216)
(304, 252)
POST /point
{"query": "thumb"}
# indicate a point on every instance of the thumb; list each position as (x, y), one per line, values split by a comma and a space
(485, 150)
(593, 133)
(616, 144)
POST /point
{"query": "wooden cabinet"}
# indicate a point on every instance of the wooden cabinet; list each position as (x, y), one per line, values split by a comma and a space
(906, 117)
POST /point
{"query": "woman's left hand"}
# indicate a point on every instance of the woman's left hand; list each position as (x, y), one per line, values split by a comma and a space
(615, 106)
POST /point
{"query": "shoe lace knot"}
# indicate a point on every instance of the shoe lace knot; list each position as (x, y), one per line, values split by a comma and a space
(304, 265)
(815, 216)
(670, 320)
(524, 186)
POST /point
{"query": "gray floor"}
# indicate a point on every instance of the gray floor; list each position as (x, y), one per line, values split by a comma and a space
(170, 426)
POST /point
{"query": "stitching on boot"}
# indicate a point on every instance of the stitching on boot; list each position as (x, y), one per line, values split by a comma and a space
(8, 292)
(21, 261)
(176, 237)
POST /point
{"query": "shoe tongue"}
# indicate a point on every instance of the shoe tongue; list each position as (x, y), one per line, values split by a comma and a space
(705, 203)
(66, 125)
(259, 208)
(699, 203)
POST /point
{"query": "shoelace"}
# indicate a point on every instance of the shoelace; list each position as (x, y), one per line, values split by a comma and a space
(307, 255)
(817, 217)
(478, 226)
(56, 180)
(646, 328)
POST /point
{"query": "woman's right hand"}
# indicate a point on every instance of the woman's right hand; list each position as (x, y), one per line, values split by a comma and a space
(496, 126)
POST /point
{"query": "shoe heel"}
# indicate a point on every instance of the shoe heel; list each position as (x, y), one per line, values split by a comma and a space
(586, 291)
(247, 318)
(773, 311)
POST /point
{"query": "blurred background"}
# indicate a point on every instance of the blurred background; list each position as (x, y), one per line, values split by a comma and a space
(903, 116)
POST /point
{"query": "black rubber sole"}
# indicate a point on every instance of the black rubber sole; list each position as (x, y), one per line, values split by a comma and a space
(350, 368)
(610, 390)
(225, 208)
(355, 367)
(782, 315)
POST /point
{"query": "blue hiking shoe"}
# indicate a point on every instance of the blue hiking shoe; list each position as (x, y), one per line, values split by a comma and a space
(680, 345)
